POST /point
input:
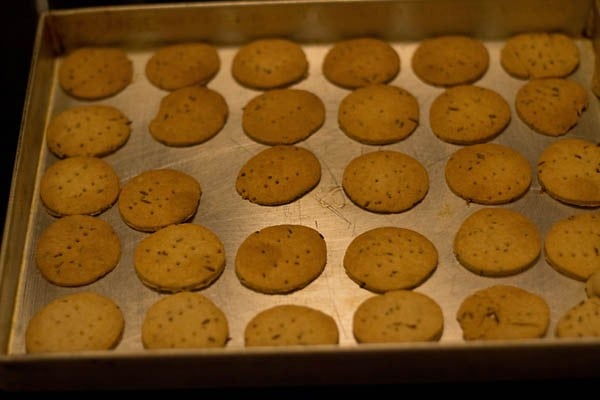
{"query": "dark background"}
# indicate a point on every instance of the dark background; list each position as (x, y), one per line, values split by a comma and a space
(17, 38)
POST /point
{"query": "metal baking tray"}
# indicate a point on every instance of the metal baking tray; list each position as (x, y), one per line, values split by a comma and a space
(316, 25)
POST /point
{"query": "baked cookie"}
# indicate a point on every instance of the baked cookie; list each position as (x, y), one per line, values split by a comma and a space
(269, 63)
(398, 316)
(278, 175)
(79, 185)
(291, 325)
(358, 62)
(156, 198)
(503, 312)
(179, 257)
(175, 66)
(581, 320)
(281, 259)
(551, 106)
(94, 73)
(468, 114)
(283, 116)
(88, 130)
(184, 320)
(385, 181)
(488, 173)
(450, 60)
(572, 245)
(567, 170)
(592, 285)
(378, 114)
(534, 55)
(497, 242)
(390, 258)
(77, 250)
(84, 321)
(189, 116)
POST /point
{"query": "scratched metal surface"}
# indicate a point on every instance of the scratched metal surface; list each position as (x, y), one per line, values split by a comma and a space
(326, 208)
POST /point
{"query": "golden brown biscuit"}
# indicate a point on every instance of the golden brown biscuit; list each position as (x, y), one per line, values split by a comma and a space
(358, 62)
(581, 320)
(94, 73)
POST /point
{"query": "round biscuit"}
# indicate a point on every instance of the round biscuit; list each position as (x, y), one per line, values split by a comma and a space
(551, 106)
(77, 250)
(534, 55)
(488, 173)
(398, 316)
(278, 175)
(503, 312)
(378, 114)
(281, 259)
(84, 321)
(178, 65)
(581, 320)
(572, 245)
(568, 170)
(390, 258)
(94, 73)
(468, 114)
(385, 181)
(179, 257)
(357, 62)
(592, 284)
(188, 116)
(88, 130)
(291, 325)
(283, 116)
(497, 242)
(450, 60)
(79, 185)
(269, 63)
(156, 198)
(185, 320)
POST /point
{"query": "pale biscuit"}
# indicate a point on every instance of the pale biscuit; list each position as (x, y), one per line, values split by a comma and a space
(278, 175)
(94, 73)
(398, 316)
(283, 116)
(291, 325)
(378, 114)
(77, 250)
(572, 245)
(533, 55)
(497, 242)
(156, 198)
(390, 258)
(581, 320)
(178, 65)
(569, 171)
(188, 116)
(79, 185)
(503, 312)
(269, 63)
(179, 257)
(184, 320)
(281, 259)
(551, 106)
(358, 62)
(468, 114)
(385, 181)
(88, 130)
(450, 60)
(84, 321)
(488, 173)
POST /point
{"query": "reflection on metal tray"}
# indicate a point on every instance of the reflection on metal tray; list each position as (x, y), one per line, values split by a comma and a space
(139, 30)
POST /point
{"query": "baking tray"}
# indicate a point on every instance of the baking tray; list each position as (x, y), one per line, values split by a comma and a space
(316, 25)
